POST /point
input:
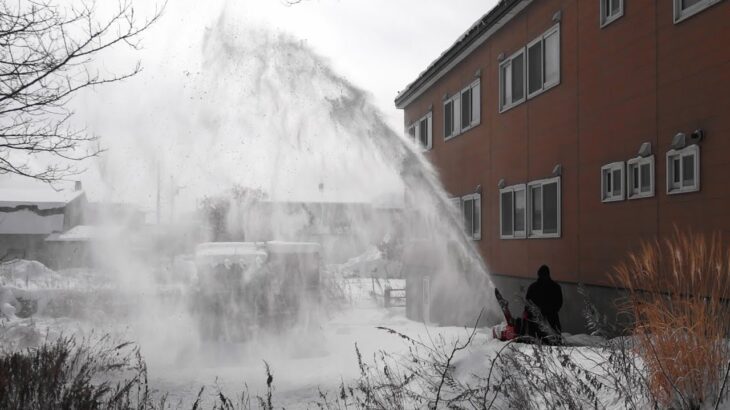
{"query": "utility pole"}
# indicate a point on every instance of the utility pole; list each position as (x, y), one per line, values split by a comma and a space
(158, 192)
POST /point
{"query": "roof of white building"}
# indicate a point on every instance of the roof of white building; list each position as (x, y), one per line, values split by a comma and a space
(27, 220)
(43, 198)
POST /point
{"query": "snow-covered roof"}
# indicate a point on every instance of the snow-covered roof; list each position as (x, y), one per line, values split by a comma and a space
(79, 233)
(228, 249)
(292, 247)
(463, 46)
(43, 198)
(29, 221)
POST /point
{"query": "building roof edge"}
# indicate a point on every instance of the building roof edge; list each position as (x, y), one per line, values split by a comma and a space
(464, 45)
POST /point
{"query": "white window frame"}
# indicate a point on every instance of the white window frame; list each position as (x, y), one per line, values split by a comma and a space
(692, 150)
(636, 193)
(459, 127)
(515, 234)
(475, 105)
(609, 169)
(409, 136)
(475, 233)
(605, 18)
(545, 85)
(416, 137)
(508, 61)
(683, 14)
(539, 233)
(456, 120)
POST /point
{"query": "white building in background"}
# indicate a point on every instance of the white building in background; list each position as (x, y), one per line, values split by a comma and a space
(30, 220)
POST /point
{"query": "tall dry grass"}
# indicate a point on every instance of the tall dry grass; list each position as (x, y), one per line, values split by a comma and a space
(678, 292)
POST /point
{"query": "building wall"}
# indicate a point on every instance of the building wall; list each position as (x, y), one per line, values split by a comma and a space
(641, 78)
(14, 246)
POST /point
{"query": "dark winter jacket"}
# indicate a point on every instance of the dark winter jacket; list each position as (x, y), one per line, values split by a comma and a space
(548, 297)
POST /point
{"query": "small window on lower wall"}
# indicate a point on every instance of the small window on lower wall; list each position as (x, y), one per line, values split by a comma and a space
(611, 10)
(612, 182)
(472, 211)
(684, 9)
(543, 200)
(513, 215)
(640, 177)
(683, 170)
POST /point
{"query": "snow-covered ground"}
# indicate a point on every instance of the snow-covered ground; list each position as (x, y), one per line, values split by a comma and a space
(302, 360)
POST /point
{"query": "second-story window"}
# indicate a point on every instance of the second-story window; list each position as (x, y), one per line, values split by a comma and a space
(450, 118)
(421, 131)
(470, 105)
(543, 62)
(462, 111)
(512, 81)
(611, 10)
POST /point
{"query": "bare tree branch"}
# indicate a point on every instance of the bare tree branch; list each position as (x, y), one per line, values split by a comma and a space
(45, 55)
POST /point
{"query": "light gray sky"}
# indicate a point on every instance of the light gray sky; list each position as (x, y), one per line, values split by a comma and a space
(378, 45)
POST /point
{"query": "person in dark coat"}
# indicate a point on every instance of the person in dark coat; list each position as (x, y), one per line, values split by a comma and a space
(547, 296)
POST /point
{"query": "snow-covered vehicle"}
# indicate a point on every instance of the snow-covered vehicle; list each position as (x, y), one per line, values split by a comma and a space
(246, 287)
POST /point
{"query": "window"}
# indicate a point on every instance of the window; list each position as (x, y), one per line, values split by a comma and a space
(544, 208)
(611, 10)
(543, 62)
(462, 111)
(684, 9)
(512, 81)
(612, 182)
(421, 131)
(513, 212)
(640, 177)
(470, 106)
(472, 211)
(683, 170)
(451, 110)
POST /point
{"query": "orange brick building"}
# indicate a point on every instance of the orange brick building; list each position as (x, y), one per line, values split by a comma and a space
(590, 126)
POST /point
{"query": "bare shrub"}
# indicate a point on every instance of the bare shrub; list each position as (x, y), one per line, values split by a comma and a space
(678, 293)
(68, 374)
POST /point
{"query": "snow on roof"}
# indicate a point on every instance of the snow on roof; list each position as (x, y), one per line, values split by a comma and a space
(484, 22)
(79, 233)
(43, 198)
(27, 222)
(293, 247)
(228, 249)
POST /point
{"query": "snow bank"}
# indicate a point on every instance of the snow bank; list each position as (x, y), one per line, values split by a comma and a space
(25, 274)
(30, 288)
(371, 263)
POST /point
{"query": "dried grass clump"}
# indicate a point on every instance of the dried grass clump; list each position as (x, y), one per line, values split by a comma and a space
(678, 292)
(75, 374)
